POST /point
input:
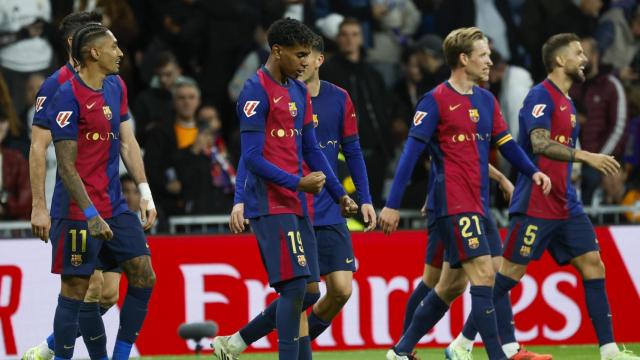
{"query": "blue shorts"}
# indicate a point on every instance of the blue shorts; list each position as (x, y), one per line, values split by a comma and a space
(464, 237)
(75, 252)
(335, 250)
(436, 252)
(529, 236)
(287, 246)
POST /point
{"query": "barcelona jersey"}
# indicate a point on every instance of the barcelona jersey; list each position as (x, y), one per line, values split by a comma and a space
(46, 92)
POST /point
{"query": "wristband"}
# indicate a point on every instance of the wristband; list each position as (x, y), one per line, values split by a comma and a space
(90, 212)
(145, 194)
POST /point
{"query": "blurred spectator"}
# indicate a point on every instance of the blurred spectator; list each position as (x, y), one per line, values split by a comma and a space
(207, 176)
(163, 143)
(396, 22)
(543, 18)
(23, 46)
(349, 70)
(251, 63)
(131, 193)
(431, 61)
(510, 85)
(619, 38)
(408, 90)
(154, 105)
(328, 13)
(16, 138)
(494, 17)
(632, 145)
(15, 192)
(601, 100)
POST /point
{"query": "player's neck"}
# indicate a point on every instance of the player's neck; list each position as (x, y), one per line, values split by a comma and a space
(92, 79)
(562, 81)
(275, 72)
(313, 85)
(460, 82)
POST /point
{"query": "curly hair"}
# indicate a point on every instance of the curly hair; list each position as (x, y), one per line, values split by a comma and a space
(290, 32)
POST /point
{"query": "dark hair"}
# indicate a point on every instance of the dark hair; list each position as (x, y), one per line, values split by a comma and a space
(349, 21)
(84, 36)
(289, 32)
(76, 20)
(496, 57)
(165, 58)
(551, 47)
(318, 44)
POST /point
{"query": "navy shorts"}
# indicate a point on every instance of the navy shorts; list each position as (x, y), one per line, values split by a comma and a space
(529, 236)
(335, 250)
(436, 252)
(464, 237)
(287, 246)
(75, 252)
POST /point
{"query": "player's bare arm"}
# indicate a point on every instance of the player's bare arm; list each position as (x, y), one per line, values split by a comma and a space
(542, 144)
(132, 158)
(503, 182)
(237, 222)
(40, 219)
(66, 153)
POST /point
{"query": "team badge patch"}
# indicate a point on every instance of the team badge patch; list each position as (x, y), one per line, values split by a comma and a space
(315, 120)
(474, 243)
(538, 110)
(525, 251)
(76, 259)
(250, 108)
(474, 115)
(293, 109)
(573, 120)
(39, 102)
(63, 118)
(417, 118)
(107, 112)
(302, 260)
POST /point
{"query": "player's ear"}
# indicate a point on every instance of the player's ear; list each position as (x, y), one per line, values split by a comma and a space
(320, 59)
(463, 59)
(95, 54)
(275, 51)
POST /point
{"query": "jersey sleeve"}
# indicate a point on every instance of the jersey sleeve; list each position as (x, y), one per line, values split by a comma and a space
(124, 101)
(536, 111)
(499, 131)
(349, 120)
(63, 114)
(425, 119)
(43, 99)
(253, 107)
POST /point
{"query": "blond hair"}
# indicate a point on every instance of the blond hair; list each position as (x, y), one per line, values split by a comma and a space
(460, 41)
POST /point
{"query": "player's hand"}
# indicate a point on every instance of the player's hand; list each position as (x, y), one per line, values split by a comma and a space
(348, 207)
(99, 229)
(237, 221)
(507, 188)
(423, 210)
(540, 179)
(40, 222)
(148, 216)
(389, 220)
(606, 164)
(312, 183)
(369, 216)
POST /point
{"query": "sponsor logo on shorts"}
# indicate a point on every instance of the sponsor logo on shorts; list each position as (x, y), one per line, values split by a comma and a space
(474, 243)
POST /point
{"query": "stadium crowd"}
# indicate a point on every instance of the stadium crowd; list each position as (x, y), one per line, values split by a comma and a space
(185, 62)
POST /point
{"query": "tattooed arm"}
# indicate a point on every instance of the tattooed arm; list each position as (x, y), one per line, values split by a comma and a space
(66, 153)
(543, 145)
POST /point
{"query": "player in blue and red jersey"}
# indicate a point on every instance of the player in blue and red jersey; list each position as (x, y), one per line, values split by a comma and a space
(90, 129)
(277, 134)
(103, 286)
(557, 222)
(458, 121)
(336, 129)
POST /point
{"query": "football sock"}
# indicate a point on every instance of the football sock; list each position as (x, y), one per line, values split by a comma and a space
(418, 294)
(288, 317)
(51, 343)
(316, 325)
(132, 315)
(595, 295)
(92, 329)
(65, 326)
(430, 311)
(304, 348)
(484, 316)
(260, 325)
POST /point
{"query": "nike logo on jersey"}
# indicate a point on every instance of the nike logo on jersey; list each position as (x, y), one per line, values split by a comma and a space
(563, 107)
(63, 118)
(275, 100)
(68, 347)
(349, 261)
(89, 106)
(417, 118)
(39, 102)
(250, 108)
(451, 108)
(93, 338)
(489, 311)
(538, 110)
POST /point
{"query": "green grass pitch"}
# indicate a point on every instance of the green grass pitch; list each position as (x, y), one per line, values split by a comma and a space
(582, 352)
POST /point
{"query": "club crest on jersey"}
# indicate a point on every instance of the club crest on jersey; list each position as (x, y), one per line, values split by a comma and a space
(474, 115)
(76, 259)
(293, 109)
(302, 260)
(315, 120)
(63, 118)
(417, 118)
(107, 112)
(573, 120)
(538, 110)
(39, 102)
(474, 243)
(250, 108)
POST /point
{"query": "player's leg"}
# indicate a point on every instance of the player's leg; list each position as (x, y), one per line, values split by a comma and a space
(130, 250)
(312, 293)
(339, 287)
(90, 318)
(110, 289)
